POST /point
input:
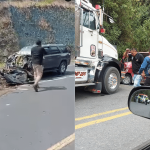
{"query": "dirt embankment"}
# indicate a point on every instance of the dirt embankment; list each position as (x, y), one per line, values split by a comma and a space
(8, 38)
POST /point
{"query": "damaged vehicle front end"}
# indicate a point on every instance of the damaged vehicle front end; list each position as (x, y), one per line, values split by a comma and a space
(18, 68)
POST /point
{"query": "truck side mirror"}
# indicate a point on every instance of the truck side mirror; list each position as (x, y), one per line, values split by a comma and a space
(111, 20)
(139, 101)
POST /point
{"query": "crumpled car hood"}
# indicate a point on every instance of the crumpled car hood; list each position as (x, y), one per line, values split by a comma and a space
(25, 50)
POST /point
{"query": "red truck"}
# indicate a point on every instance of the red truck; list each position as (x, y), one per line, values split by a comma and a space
(127, 70)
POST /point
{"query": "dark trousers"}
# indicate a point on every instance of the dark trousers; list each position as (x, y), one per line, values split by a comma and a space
(147, 81)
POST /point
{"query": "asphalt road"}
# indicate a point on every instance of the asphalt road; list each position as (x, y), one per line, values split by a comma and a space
(103, 122)
(36, 121)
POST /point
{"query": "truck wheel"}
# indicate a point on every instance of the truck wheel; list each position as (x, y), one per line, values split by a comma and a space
(127, 80)
(62, 68)
(111, 81)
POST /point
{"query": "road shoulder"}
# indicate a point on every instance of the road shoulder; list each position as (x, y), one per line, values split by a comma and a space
(4, 91)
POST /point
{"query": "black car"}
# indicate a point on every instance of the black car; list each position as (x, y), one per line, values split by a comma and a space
(57, 57)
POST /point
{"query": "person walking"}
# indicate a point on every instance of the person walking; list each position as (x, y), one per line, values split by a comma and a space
(137, 60)
(37, 54)
(146, 68)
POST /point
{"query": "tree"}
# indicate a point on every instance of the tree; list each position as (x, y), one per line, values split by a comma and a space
(132, 23)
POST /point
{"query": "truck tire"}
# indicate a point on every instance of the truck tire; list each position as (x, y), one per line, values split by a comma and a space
(109, 86)
(127, 80)
(62, 67)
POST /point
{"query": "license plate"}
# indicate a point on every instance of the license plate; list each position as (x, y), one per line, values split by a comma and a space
(80, 74)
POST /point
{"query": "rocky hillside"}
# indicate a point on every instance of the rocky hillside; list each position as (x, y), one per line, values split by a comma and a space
(22, 23)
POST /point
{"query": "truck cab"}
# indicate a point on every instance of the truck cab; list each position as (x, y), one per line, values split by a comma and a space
(96, 66)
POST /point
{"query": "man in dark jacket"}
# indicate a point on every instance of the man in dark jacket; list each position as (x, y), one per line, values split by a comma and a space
(37, 54)
(137, 60)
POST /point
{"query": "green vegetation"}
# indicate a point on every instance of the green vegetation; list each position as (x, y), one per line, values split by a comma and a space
(45, 2)
(132, 23)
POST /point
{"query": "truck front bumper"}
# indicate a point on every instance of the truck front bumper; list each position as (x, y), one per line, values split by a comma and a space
(84, 76)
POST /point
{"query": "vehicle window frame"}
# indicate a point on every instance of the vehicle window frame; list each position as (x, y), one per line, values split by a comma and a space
(90, 12)
(60, 48)
(49, 49)
(85, 10)
(89, 25)
(45, 47)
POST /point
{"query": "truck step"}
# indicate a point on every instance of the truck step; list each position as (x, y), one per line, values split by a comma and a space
(86, 84)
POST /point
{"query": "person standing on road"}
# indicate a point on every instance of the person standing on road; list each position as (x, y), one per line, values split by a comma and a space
(137, 60)
(37, 54)
(146, 68)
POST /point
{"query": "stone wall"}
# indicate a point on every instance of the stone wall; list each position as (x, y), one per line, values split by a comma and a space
(51, 24)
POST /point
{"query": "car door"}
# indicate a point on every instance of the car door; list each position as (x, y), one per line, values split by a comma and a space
(52, 58)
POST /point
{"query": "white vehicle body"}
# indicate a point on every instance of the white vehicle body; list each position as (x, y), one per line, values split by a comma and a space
(90, 65)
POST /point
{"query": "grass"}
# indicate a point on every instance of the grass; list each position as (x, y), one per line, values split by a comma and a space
(43, 3)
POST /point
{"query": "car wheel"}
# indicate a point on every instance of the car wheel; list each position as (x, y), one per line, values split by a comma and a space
(127, 80)
(111, 81)
(62, 68)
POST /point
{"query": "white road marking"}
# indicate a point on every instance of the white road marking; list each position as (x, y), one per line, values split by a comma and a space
(7, 104)
(55, 79)
(22, 89)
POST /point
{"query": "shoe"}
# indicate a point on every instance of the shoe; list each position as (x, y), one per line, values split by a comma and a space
(35, 88)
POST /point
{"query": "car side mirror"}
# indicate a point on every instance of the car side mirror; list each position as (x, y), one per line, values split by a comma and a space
(139, 101)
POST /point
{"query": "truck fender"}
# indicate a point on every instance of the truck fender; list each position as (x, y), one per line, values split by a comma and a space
(106, 62)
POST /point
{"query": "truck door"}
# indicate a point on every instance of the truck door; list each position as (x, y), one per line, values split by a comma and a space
(89, 48)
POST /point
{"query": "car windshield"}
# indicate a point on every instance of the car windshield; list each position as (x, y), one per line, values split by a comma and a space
(141, 96)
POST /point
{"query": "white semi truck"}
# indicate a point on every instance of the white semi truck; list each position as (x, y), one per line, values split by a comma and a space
(96, 65)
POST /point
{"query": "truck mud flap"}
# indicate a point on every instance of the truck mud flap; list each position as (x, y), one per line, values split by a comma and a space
(94, 88)
(97, 75)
